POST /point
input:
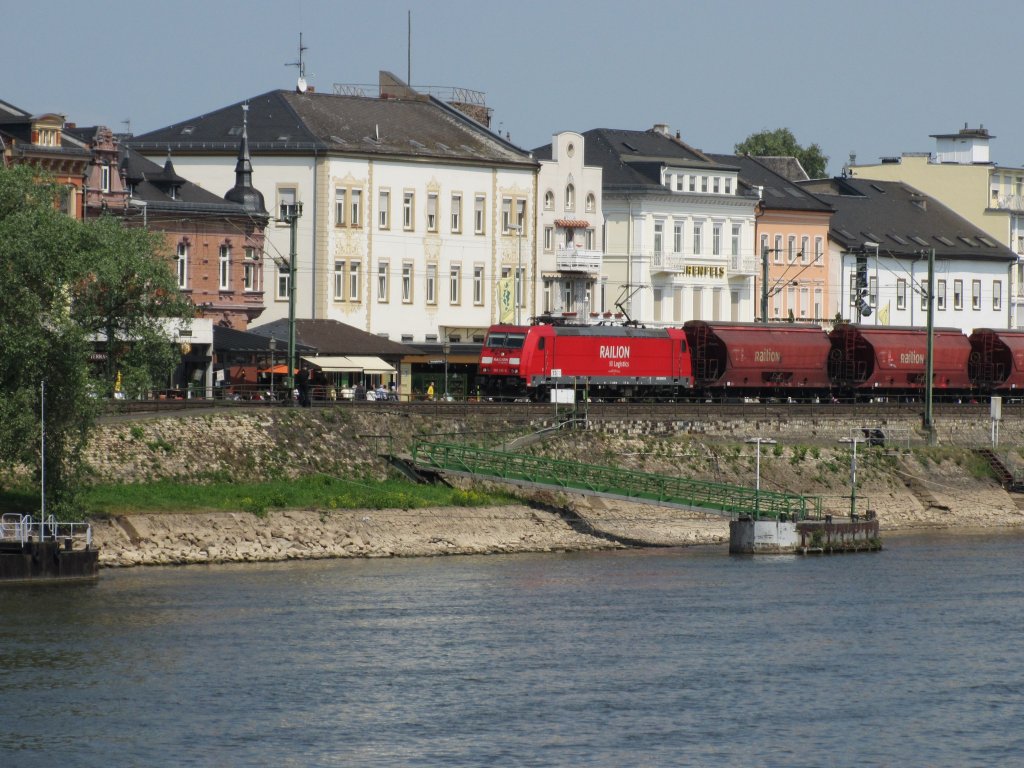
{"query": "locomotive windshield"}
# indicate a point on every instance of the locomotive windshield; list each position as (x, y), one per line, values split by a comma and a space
(506, 340)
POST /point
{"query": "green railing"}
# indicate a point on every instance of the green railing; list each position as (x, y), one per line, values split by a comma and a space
(590, 478)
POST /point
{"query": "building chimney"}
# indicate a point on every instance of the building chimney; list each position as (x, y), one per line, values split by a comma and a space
(663, 129)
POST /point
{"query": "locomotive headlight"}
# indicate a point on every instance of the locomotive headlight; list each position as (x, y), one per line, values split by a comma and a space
(486, 360)
(513, 361)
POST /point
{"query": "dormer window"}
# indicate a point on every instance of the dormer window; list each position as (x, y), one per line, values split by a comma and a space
(105, 177)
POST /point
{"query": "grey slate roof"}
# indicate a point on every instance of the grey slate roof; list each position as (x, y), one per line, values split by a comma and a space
(902, 220)
(16, 123)
(331, 337)
(632, 160)
(780, 194)
(151, 183)
(786, 166)
(286, 122)
(232, 340)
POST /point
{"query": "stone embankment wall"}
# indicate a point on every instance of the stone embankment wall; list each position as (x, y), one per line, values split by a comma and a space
(923, 487)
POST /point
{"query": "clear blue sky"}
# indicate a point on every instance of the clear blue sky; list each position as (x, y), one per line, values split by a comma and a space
(874, 77)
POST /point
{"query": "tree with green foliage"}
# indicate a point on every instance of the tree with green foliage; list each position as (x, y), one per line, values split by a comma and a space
(67, 285)
(782, 143)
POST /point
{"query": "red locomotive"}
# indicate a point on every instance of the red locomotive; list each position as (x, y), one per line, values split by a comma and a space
(747, 360)
(610, 361)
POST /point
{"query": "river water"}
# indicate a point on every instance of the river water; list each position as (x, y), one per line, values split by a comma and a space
(907, 657)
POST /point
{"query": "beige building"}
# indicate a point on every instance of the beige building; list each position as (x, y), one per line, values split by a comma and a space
(961, 175)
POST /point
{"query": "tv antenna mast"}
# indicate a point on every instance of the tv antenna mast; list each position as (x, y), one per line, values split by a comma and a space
(300, 86)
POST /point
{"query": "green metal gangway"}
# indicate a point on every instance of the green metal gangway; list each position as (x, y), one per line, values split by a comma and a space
(629, 485)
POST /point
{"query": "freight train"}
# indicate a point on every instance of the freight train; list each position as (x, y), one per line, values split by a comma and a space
(747, 360)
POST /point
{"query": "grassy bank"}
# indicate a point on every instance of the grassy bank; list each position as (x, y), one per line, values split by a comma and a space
(316, 492)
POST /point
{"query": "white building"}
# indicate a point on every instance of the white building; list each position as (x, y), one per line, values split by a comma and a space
(570, 225)
(410, 208)
(881, 237)
(679, 230)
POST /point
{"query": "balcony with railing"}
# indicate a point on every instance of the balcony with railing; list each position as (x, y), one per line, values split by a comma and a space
(1008, 202)
(743, 265)
(667, 262)
(574, 259)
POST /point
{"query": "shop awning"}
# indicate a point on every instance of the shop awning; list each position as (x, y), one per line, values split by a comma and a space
(369, 364)
(332, 363)
(349, 364)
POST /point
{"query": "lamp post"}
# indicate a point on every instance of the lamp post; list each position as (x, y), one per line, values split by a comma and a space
(446, 348)
(757, 485)
(853, 473)
(273, 347)
(519, 269)
(292, 215)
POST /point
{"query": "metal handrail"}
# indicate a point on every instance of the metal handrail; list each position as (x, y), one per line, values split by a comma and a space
(20, 528)
(642, 486)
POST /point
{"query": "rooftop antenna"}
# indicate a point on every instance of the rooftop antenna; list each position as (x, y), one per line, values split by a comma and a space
(300, 85)
(127, 123)
(408, 51)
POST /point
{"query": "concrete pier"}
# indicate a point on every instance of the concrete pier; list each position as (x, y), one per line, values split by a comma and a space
(47, 561)
(751, 537)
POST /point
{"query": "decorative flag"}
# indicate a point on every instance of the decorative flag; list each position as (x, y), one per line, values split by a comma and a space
(506, 300)
(883, 315)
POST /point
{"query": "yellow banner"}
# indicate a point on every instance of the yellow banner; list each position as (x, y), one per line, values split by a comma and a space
(883, 315)
(506, 300)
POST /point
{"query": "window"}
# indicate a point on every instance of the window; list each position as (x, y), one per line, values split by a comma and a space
(901, 294)
(520, 295)
(478, 284)
(659, 227)
(224, 264)
(940, 294)
(924, 294)
(735, 245)
(764, 247)
(549, 201)
(408, 202)
(407, 283)
(546, 298)
(479, 204)
(282, 282)
(286, 200)
(432, 211)
(805, 294)
(714, 184)
(677, 237)
(791, 249)
(805, 253)
(457, 212)
(339, 281)
(549, 238)
(679, 183)
(703, 183)
(570, 197)
(958, 294)
(728, 185)
(778, 249)
(818, 248)
(355, 201)
(455, 278)
(716, 240)
(588, 239)
(431, 284)
(384, 208)
(382, 281)
(521, 215)
(506, 215)
(873, 291)
(698, 230)
(105, 177)
(250, 274)
(353, 281)
(182, 265)
(591, 202)
(693, 183)
(997, 295)
(976, 295)
(339, 207)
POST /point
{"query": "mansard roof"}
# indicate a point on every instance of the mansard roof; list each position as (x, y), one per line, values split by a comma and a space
(902, 220)
(287, 122)
(632, 160)
(778, 192)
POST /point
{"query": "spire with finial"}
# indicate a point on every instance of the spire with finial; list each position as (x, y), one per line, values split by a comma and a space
(244, 193)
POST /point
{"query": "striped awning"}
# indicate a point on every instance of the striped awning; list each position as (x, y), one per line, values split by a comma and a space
(349, 364)
(572, 223)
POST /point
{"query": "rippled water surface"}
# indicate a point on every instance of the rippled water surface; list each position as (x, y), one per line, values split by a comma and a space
(908, 657)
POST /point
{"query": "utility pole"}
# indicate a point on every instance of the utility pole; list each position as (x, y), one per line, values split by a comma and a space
(929, 422)
(292, 216)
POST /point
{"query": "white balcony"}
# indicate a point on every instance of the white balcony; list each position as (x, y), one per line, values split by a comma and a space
(743, 265)
(578, 260)
(1009, 202)
(667, 262)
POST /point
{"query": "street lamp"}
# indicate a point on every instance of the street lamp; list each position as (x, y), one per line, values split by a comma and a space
(757, 486)
(292, 215)
(446, 348)
(519, 269)
(273, 347)
(853, 473)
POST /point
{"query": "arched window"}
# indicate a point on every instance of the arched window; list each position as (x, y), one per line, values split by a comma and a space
(570, 197)
(591, 202)
(549, 201)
